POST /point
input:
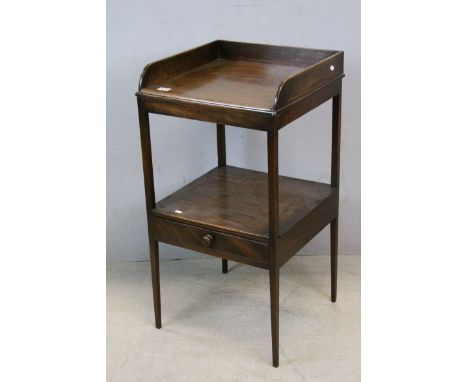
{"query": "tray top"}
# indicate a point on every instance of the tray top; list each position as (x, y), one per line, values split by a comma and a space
(227, 82)
(240, 75)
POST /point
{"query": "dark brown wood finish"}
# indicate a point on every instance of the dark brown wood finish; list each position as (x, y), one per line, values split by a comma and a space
(200, 111)
(221, 143)
(309, 226)
(304, 82)
(288, 55)
(245, 84)
(273, 228)
(178, 63)
(150, 204)
(336, 137)
(154, 260)
(236, 83)
(235, 201)
(255, 218)
(307, 103)
(335, 182)
(221, 245)
(334, 258)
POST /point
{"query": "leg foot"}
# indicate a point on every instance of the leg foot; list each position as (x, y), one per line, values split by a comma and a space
(154, 257)
(274, 304)
(334, 257)
(225, 266)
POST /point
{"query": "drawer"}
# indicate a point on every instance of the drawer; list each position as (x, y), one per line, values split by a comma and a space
(211, 242)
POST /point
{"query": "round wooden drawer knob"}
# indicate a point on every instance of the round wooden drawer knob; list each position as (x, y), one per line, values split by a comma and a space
(208, 241)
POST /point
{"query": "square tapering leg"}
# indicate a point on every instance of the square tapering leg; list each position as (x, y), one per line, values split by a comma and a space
(274, 305)
(335, 182)
(154, 257)
(225, 266)
(334, 257)
(273, 228)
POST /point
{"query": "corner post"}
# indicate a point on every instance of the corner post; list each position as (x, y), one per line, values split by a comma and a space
(221, 144)
(150, 204)
(273, 228)
(335, 182)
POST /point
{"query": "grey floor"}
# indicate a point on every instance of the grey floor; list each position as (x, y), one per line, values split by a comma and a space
(216, 327)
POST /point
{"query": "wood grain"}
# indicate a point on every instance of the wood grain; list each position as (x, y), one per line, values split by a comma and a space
(239, 76)
(225, 246)
(256, 218)
(226, 82)
(235, 200)
(241, 117)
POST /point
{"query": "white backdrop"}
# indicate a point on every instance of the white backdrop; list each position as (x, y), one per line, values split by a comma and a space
(142, 31)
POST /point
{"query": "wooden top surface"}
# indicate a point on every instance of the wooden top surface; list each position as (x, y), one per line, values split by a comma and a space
(227, 82)
(235, 200)
(238, 76)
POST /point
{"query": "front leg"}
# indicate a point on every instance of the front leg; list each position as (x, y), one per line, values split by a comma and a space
(274, 306)
(154, 257)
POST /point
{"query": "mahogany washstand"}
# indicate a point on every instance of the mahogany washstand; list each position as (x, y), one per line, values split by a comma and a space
(255, 218)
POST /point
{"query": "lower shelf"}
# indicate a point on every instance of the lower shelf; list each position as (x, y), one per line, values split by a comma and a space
(234, 201)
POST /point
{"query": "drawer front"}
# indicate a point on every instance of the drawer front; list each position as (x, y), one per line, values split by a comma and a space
(211, 242)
